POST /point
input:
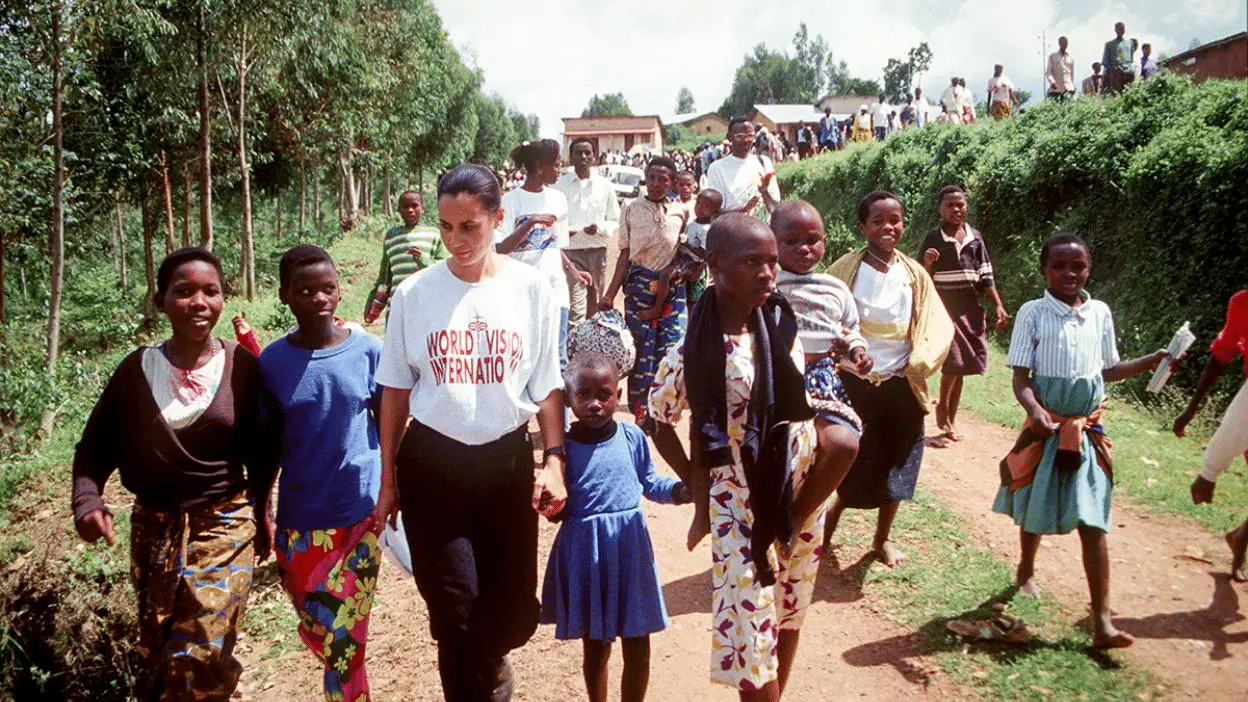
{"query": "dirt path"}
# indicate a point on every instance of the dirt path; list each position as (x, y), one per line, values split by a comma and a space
(1170, 582)
(848, 650)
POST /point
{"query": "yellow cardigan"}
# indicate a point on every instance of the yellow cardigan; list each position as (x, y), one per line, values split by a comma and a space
(930, 332)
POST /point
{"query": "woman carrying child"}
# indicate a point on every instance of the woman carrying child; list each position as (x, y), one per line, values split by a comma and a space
(650, 229)
(955, 255)
(319, 400)
(1059, 475)
(908, 334)
(752, 448)
(179, 420)
(471, 354)
(602, 581)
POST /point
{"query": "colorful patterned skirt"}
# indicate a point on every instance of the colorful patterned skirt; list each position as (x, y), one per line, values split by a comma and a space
(192, 573)
(746, 616)
(331, 577)
(652, 337)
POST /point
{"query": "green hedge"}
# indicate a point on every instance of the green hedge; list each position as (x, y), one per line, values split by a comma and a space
(1156, 181)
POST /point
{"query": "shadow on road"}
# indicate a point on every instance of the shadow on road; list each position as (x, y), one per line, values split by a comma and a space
(1208, 624)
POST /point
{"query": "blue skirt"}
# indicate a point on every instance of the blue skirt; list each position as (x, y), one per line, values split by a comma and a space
(1059, 501)
(601, 581)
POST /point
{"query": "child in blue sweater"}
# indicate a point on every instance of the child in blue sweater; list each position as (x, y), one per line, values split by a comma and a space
(602, 580)
(318, 398)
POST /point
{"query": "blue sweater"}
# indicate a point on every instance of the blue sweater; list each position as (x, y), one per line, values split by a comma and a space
(318, 402)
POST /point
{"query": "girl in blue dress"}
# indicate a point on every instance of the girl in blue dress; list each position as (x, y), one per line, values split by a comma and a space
(1058, 477)
(601, 581)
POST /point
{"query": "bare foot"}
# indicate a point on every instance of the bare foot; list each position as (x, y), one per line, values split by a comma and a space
(890, 555)
(1237, 539)
(1028, 587)
(953, 433)
(1114, 640)
(698, 530)
(939, 441)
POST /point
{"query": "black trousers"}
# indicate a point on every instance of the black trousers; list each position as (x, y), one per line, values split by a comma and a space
(473, 536)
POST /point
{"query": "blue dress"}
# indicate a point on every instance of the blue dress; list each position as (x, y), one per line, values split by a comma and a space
(601, 581)
(1066, 349)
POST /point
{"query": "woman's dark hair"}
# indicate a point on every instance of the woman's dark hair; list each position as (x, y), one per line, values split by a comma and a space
(864, 206)
(297, 257)
(532, 153)
(948, 190)
(1062, 239)
(185, 255)
(663, 162)
(475, 180)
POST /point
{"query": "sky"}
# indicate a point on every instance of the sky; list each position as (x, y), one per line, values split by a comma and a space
(548, 57)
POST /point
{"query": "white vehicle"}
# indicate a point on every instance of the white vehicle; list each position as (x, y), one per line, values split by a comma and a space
(626, 179)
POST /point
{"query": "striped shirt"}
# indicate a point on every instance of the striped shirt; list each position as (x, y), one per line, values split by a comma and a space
(396, 261)
(963, 269)
(825, 309)
(1056, 340)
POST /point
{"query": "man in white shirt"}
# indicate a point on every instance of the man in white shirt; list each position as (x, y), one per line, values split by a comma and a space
(593, 216)
(951, 100)
(1001, 99)
(747, 181)
(1060, 74)
(1148, 67)
(922, 110)
(879, 118)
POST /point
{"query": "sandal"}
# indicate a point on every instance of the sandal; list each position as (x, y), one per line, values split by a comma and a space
(1003, 629)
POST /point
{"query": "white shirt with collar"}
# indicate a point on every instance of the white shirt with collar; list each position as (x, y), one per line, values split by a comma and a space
(590, 201)
(1061, 73)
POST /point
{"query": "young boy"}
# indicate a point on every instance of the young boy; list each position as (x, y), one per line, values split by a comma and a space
(405, 250)
(650, 229)
(744, 384)
(706, 207)
(827, 326)
(319, 392)
(955, 255)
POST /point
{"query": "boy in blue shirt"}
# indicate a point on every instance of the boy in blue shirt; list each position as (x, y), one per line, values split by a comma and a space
(319, 398)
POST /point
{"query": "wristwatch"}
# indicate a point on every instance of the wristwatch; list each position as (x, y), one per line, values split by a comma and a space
(554, 451)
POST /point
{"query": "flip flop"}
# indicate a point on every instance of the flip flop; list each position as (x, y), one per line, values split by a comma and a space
(1003, 629)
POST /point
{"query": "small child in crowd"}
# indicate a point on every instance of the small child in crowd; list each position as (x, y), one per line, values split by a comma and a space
(1231, 438)
(1059, 475)
(686, 188)
(752, 450)
(908, 335)
(319, 402)
(602, 581)
(827, 326)
(955, 255)
(706, 208)
(650, 229)
(405, 249)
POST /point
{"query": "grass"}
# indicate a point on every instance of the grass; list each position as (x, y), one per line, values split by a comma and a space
(1151, 465)
(948, 577)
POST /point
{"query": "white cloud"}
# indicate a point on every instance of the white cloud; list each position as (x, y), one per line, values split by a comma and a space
(549, 56)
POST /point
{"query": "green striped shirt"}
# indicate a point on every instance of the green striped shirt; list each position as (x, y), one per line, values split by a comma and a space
(397, 264)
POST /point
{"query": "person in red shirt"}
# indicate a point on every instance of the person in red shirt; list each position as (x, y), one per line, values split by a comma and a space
(1231, 438)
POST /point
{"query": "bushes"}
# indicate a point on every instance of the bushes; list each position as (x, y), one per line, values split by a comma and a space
(1154, 180)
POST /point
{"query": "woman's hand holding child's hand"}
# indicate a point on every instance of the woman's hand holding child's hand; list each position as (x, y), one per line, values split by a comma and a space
(550, 494)
(95, 524)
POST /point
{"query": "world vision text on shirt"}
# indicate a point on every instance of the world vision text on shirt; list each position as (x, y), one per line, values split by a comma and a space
(477, 355)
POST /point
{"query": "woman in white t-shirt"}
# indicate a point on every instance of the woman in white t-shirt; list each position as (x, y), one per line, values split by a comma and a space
(534, 227)
(471, 354)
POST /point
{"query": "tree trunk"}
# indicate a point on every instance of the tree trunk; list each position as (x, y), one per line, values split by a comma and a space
(186, 204)
(316, 194)
(121, 249)
(205, 134)
(303, 197)
(389, 195)
(3, 319)
(47, 417)
(367, 198)
(167, 186)
(277, 216)
(249, 250)
(149, 262)
(350, 195)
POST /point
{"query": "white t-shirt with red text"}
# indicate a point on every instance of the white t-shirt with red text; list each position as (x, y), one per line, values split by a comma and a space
(478, 357)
